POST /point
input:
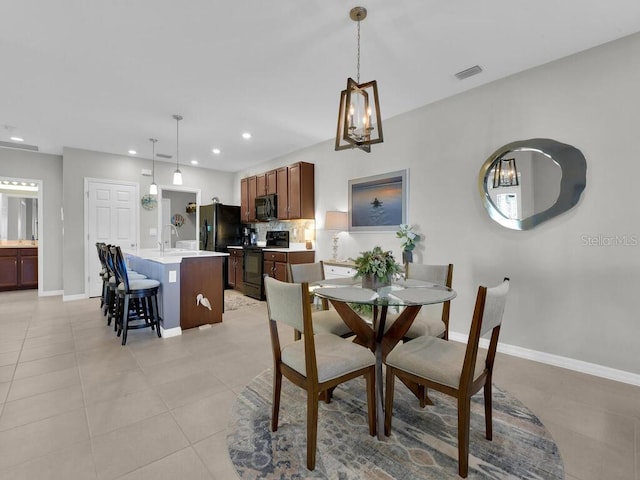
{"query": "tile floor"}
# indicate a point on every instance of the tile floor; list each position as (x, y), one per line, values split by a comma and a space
(74, 404)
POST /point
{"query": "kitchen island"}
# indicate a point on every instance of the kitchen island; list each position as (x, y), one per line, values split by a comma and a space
(191, 285)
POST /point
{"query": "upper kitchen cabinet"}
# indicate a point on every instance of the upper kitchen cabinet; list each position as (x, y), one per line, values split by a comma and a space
(266, 183)
(296, 193)
(248, 192)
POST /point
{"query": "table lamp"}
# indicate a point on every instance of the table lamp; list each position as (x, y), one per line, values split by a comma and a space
(308, 238)
(338, 222)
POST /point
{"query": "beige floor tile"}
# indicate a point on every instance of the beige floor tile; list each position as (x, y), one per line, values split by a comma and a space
(48, 382)
(4, 390)
(45, 351)
(39, 334)
(36, 439)
(589, 459)
(637, 453)
(73, 462)
(6, 373)
(205, 417)
(186, 390)
(214, 453)
(45, 365)
(112, 385)
(137, 445)
(39, 407)
(122, 411)
(7, 346)
(9, 358)
(182, 464)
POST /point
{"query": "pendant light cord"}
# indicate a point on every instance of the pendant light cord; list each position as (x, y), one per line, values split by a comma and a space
(358, 56)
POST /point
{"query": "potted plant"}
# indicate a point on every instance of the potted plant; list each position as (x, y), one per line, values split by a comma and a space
(409, 240)
(376, 268)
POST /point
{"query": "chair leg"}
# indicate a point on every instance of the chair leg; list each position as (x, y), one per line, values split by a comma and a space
(388, 399)
(312, 428)
(488, 409)
(464, 414)
(156, 316)
(371, 401)
(275, 401)
(125, 319)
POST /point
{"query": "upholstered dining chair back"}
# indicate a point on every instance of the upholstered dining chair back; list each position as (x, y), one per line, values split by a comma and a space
(284, 302)
(306, 272)
(453, 368)
(318, 363)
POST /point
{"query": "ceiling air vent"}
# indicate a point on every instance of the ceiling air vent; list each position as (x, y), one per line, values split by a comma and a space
(163, 155)
(19, 146)
(469, 72)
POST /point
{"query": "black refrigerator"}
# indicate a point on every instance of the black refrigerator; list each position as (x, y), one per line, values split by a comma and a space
(220, 228)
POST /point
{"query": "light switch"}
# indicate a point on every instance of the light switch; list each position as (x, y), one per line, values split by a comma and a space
(172, 276)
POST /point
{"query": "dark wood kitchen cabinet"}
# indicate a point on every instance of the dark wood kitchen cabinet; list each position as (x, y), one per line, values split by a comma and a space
(248, 191)
(275, 263)
(235, 268)
(266, 183)
(296, 191)
(18, 268)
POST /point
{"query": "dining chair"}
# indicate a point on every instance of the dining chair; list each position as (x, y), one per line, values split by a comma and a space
(433, 320)
(453, 368)
(315, 363)
(325, 320)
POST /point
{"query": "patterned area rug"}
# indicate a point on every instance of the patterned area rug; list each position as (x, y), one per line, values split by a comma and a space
(234, 300)
(423, 444)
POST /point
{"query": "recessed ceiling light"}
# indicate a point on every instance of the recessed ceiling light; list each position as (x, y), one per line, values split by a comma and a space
(246, 135)
(17, 139)
(194, 162)
(132, 152)
(14, 183)
(32, 184)
(216, 151)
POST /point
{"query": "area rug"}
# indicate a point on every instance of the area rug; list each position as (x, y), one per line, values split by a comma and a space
(423, 444)
(233, 300)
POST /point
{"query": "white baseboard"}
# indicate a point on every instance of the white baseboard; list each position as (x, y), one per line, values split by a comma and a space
(171, 332)
(73, 298)
(51, 293)
(557, 360)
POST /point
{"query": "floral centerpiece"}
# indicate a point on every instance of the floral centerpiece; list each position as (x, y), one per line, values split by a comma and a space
(376, 267)
(409, 240)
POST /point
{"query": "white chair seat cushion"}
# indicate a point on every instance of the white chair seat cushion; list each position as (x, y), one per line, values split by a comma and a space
(140, 284)
(434, 359)
(335, 356)
(329, 321)
(130, 275)
(421, 326)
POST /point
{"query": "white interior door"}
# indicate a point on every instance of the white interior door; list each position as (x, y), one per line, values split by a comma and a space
(112, 219)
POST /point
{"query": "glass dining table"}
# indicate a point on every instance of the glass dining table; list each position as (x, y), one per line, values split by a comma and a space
(406, 295)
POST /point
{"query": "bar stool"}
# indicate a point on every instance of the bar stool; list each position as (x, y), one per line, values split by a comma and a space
(141, 294)
(111, 298)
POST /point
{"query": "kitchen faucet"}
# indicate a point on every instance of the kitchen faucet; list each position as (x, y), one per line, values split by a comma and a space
(161, 242)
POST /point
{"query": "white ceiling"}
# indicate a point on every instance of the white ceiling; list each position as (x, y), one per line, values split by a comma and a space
(107, 75)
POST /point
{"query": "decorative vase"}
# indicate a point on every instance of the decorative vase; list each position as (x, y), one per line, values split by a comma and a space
(407, 256)
(374, 282)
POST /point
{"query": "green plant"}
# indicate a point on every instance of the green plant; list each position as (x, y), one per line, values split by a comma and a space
(408, 236)
(376, 262)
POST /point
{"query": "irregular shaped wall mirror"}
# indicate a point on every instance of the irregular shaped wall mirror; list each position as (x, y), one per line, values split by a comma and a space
(527, 182)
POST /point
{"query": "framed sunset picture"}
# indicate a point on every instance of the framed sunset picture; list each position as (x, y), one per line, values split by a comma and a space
(379, 202)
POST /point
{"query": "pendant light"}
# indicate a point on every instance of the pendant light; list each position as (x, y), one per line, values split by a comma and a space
(153, 188)
(505, 173)
(177, 175)
(359, 121)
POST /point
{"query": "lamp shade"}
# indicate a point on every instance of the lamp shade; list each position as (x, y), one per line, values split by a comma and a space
(336, 221)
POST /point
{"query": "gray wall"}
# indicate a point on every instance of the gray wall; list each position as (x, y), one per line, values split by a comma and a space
(48, 169)
(573, 293)
(80, 164)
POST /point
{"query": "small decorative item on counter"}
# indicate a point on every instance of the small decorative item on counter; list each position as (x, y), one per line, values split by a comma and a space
(177, 220)
(409, 240)
(191, 207)
(376, 268)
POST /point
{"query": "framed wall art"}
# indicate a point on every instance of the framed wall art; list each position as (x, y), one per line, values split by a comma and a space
(379, 202)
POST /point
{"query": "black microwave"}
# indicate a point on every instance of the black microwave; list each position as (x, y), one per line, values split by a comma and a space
(266, 208)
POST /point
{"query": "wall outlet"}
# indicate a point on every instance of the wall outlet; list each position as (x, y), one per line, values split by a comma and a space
(153, 232)
(172, 276)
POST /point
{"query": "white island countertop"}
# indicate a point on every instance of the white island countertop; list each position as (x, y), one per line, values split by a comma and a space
(293, 248)
(173, 255)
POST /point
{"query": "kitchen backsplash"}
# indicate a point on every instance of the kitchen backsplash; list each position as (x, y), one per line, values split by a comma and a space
(296, 229)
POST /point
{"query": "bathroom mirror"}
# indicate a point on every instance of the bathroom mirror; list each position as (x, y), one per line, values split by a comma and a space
(527, 182)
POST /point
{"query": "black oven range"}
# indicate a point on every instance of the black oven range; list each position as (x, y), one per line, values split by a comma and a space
(254, 261)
